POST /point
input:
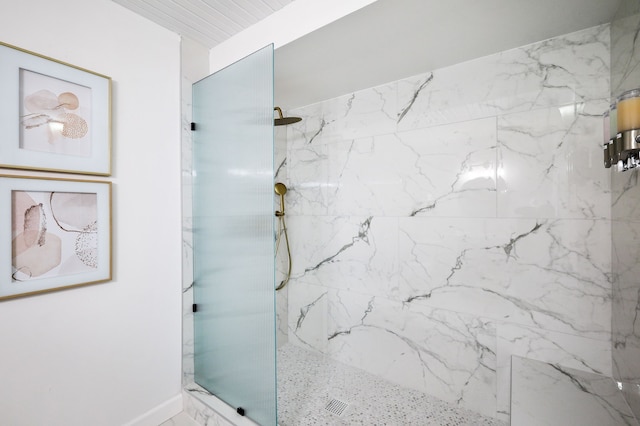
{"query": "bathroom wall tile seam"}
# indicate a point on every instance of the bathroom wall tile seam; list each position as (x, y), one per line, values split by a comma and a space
(468, 340)
(462, 312)
(488, 218)
(349, 290)
(499, 149)
(318, 139)
(485, 318)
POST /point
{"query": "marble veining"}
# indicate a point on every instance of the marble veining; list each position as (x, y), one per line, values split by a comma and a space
(406, 109)
(625, 51)
(187, 224)
(362, 235)
(199, 406)
(551, 170)
(625, 200)
(560, 71)
(460, 260)
(568, 350)
(486, 267)
(626, 298)
(442, 223)
(449, 355)
(550, 394)
(625, 226)
(182, 419)
(305, 309)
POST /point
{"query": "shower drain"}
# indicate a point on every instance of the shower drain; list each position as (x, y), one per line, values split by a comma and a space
(337, 407)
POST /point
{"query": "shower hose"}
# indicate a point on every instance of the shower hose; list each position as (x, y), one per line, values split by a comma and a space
(282, 230)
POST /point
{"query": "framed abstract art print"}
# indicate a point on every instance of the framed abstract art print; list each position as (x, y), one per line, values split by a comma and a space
(53, 116)
(54, 234)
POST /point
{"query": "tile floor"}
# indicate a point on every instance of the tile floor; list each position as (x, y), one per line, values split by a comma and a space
(308, 382)
(315, 390)
(181, 419)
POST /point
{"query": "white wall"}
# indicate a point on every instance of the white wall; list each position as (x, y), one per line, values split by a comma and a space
(286, 25)
(107, 354)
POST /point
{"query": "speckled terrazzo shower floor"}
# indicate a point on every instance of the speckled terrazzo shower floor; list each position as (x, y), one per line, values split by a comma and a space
(307, 382)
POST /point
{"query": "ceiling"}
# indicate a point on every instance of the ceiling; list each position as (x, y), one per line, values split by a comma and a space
(383, 42)
(209, 22)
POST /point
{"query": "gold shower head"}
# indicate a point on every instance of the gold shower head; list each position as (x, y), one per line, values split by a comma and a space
(283, 121)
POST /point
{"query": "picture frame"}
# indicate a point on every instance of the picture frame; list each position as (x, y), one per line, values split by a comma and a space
(55, 234)
(53, 116)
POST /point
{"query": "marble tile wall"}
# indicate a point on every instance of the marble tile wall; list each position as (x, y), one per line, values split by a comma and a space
(625, 202)
(194, 66)
(569, 396)
(442, 223)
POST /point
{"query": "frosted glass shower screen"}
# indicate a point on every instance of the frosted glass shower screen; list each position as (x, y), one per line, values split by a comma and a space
(234, 326)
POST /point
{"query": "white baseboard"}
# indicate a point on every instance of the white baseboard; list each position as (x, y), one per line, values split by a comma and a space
(159, 414)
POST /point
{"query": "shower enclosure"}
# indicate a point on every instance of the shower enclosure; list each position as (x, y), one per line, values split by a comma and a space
(233, 213)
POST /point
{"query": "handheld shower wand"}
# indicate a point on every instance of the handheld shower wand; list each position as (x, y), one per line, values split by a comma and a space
(281, 189)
